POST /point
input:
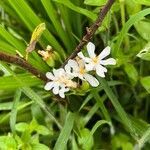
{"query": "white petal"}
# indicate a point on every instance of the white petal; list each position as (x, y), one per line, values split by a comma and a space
(61, 94)
(49, 86)
(92, 80)
(85, 59)
(80, 76)
(80, 54)
(58, 72)
(109, 61)
(62, 91)
(89, 67)
(56, 89)
(73, 64)
(91, 49)
(100, 70)
(71, 68)
(50, 76)
(68, 68)
(104, 53)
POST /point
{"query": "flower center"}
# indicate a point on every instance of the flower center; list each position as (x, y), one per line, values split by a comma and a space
(82, 71)
(95, 60)
(66, 81)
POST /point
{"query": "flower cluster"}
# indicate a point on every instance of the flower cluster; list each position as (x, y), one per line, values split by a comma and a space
(61, 80)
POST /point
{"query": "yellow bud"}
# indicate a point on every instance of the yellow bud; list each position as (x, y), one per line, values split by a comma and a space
(34, 38)
(37, 32)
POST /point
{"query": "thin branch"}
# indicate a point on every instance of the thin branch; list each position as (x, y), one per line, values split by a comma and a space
(91, 30)
(22, 63)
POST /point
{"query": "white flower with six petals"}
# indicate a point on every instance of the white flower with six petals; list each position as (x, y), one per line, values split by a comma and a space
(77, 69)
(60, 82)
(96, 62)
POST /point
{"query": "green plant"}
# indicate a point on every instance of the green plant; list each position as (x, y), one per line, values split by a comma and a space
(111, 116)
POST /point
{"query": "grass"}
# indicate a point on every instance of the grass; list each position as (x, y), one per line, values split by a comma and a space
(114, 115)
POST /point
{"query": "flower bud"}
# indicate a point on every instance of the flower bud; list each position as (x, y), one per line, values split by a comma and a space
(49, 56)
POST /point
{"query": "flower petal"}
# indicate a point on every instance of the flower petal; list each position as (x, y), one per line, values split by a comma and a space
(71, 69)
(58, 72)
(62, 91)
(85, 59)
(49, 86)
(109, 61)
(91, 49)
(92, 80)
(68, 68)
(56, 89)
(80, 54)
(100, 70)
(104, 53)
(89, 66)
(73, 64)
(50, 76)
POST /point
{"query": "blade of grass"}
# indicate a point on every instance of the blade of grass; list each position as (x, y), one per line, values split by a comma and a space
(135, 18)
(65, 16)
(80, 10)
(5, 106)
(122, 114)
(10, 82)
(98, 124)
(19, 108)
(65, 132)
(13, 113)
(90, 114)
(99, 101)
(37, 99)
(145, 138)
(51, 11)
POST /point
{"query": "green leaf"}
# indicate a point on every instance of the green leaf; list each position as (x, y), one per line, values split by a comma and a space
(10, 82)
(65, 132)
(52, 13)
(145, 81)
(143, 2)
(95, 2)
(13, 114)
(145, 138)
(98, 124)
(39, 146)
(121, 141)
(42, 130)
(37, 99)
(121, 112)
(7, 143)
(21, 127)
(143, 28)
(80, 10)
(132, 73)
(85, 139)
(133, 19)
(32, 21)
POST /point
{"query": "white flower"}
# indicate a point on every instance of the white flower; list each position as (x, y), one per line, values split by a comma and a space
(77, 69)
(97, 63)
(60, 82)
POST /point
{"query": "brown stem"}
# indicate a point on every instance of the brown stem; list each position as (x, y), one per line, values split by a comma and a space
(91, 30)
(22, 63)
